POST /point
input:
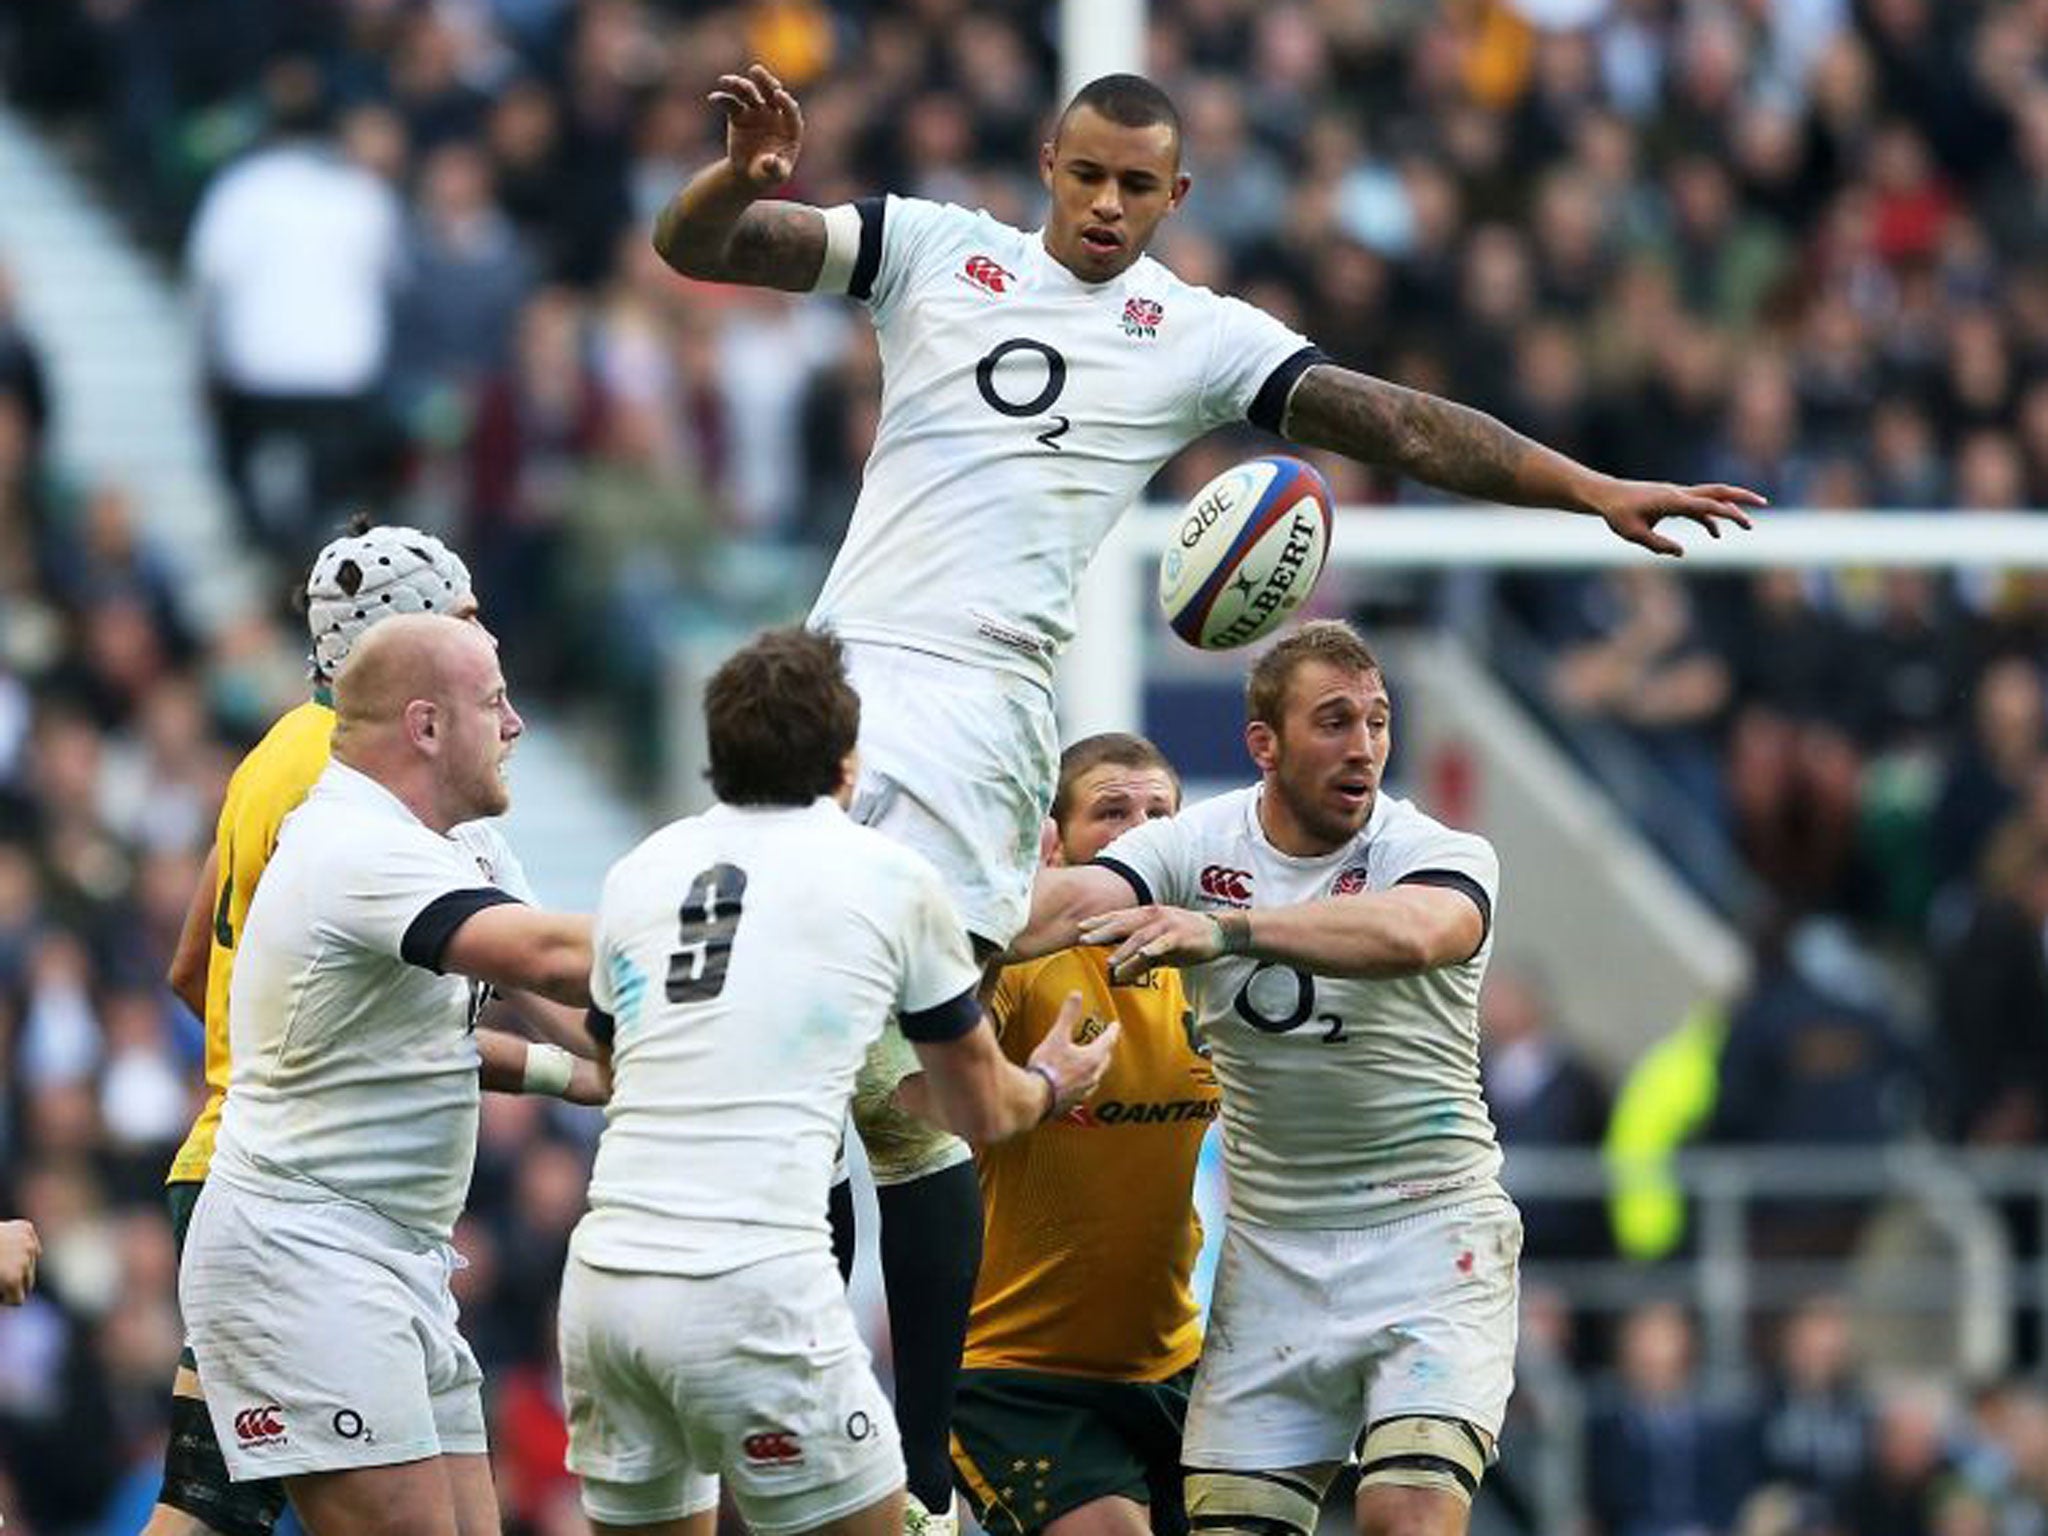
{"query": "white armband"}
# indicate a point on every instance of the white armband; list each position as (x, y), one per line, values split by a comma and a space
(842, 249)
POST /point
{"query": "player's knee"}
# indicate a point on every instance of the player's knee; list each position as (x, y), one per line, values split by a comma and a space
(1395, 1509)
(1252, 1503)
(1417, 1476)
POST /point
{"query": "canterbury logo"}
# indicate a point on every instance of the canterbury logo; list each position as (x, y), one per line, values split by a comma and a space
(986, 275)
(1226, 884)
(253, 1426)
(774, 1447)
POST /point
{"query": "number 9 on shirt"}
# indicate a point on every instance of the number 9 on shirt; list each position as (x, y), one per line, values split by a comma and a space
(1246, 552)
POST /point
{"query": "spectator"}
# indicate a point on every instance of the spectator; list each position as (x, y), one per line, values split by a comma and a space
(1992, 996)
(529, 170)
(1793, 772)
(2007, 742)
(1906, 465)
(1245, 193)
(1726, 259)
(1661, 1459)
(1812, 1057)
(466, 276)
(1815, 1426)
(1910, 1456)
(54, 1408)
(293, 256)
(1540, 1095)
(1645, 664)
(536, 423)
(21, 368)
(1760, 437)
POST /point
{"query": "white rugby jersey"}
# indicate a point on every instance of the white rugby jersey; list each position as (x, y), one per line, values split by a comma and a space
(747, 958)
(354, 1062)
(1346, 1101)
(1022, 410)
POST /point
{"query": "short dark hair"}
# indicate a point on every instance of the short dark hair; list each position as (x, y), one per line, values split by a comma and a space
(1130, 101)
(1121, 748)
(1331, 640)
(780, 717)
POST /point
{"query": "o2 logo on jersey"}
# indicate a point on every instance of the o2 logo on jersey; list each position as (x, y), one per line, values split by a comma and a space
(985, 274)
(1278, 999)
(1003, 388)
(1143, 317)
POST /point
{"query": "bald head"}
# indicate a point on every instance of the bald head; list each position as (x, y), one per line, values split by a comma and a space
(404, 658)
(421, 707)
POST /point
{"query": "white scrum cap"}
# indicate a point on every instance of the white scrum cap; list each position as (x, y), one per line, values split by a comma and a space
(363, 577)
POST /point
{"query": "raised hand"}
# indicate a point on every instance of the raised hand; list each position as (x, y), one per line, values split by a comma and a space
(764, 127)
(1633, 508)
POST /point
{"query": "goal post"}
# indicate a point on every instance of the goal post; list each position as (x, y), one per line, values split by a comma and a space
(1103, 672)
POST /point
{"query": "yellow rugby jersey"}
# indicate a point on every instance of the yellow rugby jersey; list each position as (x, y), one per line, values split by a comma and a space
(1091, 1225)
(267, 787)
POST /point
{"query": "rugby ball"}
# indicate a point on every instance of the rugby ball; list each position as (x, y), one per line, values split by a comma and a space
(1246, 552)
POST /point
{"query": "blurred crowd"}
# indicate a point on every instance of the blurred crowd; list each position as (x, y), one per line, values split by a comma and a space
(1790, 243)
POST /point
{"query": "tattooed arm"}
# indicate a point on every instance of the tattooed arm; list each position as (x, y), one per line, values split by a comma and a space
(718, 227)
(1467, 452)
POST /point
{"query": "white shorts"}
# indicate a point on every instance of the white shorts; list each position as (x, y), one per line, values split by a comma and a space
(758, 1375)
(326, 1336)
(960, 763)
(1316, 1335)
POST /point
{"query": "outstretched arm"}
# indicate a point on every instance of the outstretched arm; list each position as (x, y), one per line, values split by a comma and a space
(1456, 448)
(718, 227)
(1399, 932)
(1062, 899)
(518, 948)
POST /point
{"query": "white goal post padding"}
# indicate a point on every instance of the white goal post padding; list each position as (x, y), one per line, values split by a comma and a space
(1102, 675)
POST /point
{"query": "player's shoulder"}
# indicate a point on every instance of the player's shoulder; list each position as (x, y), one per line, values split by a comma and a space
(485, 841)
(666, 849)
(1064, 971)
(922, 222)
(930, 215)
(1409, 832)
(939, 240)
(281, 769)
(1154, 278)
(299, 738)
(1224, 816)
(349, 819)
